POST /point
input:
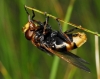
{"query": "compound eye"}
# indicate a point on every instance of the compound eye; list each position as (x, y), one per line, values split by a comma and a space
(29, 34)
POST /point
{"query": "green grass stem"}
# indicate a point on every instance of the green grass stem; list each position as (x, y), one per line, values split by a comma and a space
(54, 68)
(97, 57)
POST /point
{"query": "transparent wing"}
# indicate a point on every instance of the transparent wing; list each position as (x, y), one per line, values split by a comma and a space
(71, 58)
(75, 60)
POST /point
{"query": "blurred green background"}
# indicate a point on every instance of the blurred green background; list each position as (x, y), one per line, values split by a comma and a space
(19, 59)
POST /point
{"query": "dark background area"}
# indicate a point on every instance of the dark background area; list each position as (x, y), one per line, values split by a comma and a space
(19, 59)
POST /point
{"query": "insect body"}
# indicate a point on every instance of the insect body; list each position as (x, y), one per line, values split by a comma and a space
(55, 42)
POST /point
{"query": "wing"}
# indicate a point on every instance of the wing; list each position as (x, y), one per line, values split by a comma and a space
(45, 50)
(75, 60)
(71, 58)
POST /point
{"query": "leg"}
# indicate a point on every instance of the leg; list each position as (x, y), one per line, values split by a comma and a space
(63, 35)
(45, 23)
(38, 22)
(26, 10)
(33, 14)
(60, 27)
(27, 14)
(47, 17)
(68, 31)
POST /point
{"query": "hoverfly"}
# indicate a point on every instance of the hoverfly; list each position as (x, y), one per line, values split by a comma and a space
(55, 42)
